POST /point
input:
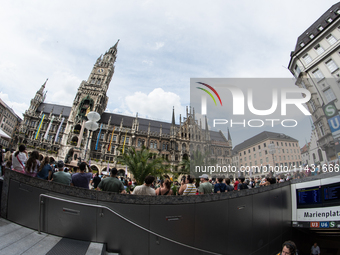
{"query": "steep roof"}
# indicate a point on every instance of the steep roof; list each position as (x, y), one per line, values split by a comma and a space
(127, 121)
(47, 108)
(305, 148)
(332, 13)
(262, 137)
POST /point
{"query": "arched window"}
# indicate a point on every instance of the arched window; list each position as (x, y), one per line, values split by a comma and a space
(184, 147)
(99, 81)
(320, 155)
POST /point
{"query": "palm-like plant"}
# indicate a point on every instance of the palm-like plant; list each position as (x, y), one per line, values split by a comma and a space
(141, 164)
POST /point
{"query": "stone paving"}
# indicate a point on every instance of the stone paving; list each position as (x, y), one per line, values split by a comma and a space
(19, 240)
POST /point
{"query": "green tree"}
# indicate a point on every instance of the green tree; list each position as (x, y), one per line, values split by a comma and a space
(141, 163)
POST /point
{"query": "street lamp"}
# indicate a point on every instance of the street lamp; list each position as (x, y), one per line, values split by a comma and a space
(91, 125)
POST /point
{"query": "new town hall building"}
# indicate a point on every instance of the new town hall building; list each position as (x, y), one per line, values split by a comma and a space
(61, 125)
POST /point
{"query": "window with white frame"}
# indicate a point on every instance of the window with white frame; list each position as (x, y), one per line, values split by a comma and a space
(329, 20)
(322, 130)
(331, 39)
(311, 36)
(318, 48)
(297, 71)
(320, 28)
(312, 105)
(307, 59)
(331, 65)
(318, 74)
(329, 94)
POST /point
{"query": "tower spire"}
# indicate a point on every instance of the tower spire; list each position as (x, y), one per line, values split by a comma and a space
(173, 116)
(41, 90)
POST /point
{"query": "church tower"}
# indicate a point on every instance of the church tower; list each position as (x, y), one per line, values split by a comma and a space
(38, 99)
(92, 93)
(91, 96)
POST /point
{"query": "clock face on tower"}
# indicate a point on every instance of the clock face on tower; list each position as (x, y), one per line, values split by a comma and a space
(100, 70)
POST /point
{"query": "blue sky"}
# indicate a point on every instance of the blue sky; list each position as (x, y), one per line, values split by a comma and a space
(162, 45)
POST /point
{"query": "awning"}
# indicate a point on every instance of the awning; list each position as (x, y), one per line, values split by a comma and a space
(4, 135)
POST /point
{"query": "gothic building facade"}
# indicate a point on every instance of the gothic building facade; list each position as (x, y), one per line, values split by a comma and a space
(55, 130)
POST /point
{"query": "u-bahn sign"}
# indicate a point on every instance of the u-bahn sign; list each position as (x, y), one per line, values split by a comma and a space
(333, 118)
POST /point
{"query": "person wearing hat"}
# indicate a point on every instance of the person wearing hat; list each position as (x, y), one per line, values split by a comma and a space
(61, 176)
(205, 186)
(112, 184)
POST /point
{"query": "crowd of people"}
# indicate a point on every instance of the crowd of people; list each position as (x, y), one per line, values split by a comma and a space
(36, 165)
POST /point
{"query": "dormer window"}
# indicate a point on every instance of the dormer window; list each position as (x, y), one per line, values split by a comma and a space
(337, 11)
(302, 44)
(311, 36)
(320, 28)
(329, 20)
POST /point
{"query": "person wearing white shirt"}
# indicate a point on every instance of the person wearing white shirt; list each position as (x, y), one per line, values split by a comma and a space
(315, 250)
(19, 159)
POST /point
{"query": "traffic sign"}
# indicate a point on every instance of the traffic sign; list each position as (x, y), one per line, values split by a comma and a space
(334, 124)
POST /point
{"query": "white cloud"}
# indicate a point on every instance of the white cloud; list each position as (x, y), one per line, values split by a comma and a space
(159, 45)
(147, 62)
(157, 104)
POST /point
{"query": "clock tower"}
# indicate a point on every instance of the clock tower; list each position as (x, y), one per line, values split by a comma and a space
(91, 96)
(92, 93)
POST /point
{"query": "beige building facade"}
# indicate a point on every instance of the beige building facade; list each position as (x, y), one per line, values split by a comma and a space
(263, 152)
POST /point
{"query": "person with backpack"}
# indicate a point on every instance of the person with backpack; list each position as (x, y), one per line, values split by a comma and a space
(229, 187)
(241, 184)
(220, 187)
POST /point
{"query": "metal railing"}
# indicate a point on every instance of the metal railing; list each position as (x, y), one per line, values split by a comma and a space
(117, 214)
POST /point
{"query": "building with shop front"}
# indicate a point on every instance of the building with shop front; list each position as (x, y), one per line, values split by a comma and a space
(315, 64)
(261, 152)
(54, 130)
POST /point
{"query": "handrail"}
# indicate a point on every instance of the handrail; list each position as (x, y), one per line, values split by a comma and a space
(120, 216)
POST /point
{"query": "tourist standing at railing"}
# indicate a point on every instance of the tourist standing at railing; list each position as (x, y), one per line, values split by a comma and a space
(7, 162)
(32, 164)
(112, 184)
(205, 186)
(236, 184)
(82, 179)
(220, 187)
(164, 189)
(19, 159)
(45, 169)
(61, 176)
(145, 189)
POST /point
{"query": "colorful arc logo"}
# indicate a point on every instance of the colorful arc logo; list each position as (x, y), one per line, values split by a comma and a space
(213, 90)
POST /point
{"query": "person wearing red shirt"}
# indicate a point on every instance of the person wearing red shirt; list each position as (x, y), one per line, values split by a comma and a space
(236, 184)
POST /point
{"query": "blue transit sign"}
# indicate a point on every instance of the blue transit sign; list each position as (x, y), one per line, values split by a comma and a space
(334, 124)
